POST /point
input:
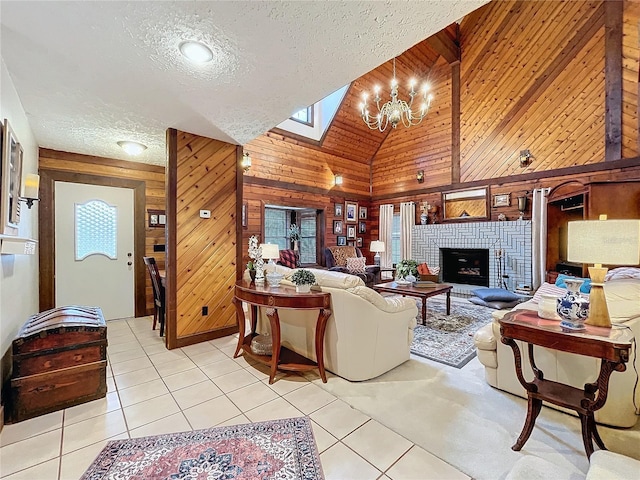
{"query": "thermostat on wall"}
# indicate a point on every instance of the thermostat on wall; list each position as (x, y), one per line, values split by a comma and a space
(205, 213)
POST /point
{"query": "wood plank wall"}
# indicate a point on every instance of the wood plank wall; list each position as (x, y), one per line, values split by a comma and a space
(630, 79)
(152, 175)
(201, 252)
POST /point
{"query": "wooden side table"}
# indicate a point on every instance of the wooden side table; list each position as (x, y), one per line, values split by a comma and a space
(273, 298)
(611, 345)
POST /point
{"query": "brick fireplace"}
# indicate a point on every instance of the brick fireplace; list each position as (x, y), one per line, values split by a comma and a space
(508, 243)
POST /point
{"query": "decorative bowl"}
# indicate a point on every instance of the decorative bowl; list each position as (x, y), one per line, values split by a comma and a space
(274, 278)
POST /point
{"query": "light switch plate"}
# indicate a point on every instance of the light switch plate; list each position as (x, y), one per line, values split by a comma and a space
(205, 213)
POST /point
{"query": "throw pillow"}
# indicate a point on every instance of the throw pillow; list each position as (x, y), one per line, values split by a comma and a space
(356, 265)
(496, 305)
(584, 288)
(495, 294)
(622, 272)
(548, 289)
(288, 258)
(340, 254)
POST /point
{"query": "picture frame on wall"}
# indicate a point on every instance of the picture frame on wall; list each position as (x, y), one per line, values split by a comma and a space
(11, 178)
(245, 213)
(337, 227)
(362, 213)
(351, 232)
(351, 212)
(351, 243)
(359, 242)
(342, 241)
(502, 200)
(337, 210)
(362, 227)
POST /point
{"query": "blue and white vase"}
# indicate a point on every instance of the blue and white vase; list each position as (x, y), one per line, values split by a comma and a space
(573, 308)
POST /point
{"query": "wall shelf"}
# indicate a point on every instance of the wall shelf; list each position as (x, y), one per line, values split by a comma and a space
(12, 245)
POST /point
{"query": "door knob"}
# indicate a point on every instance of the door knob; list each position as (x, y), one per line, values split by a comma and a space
(129, 263)
(129, 254)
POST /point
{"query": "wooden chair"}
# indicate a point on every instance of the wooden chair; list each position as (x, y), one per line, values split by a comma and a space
(158, 293)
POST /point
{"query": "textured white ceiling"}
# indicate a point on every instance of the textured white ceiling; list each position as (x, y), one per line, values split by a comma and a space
(90, 73)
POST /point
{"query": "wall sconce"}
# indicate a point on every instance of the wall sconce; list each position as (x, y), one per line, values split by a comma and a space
(30, 190)
(522, 206)
(420, 176)
(525, 158)
(337, 180)
(246, 162)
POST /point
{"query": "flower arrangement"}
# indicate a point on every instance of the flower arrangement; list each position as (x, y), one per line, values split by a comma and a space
(294, 232)
(407, 267)
(255, 253)
(303, 277)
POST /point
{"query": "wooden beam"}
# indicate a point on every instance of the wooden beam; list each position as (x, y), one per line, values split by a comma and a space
(171, 273)
(613, 79)
(443, 45)
(455, 122)
(267, 182)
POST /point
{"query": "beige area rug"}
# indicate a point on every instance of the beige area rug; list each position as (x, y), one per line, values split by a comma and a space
(457, 416)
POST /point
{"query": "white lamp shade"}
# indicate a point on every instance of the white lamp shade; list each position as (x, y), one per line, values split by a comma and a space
(608, 242)
(270, 250)
(377, 246)
(31, 186)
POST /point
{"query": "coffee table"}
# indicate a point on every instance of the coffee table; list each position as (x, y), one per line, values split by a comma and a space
(409, 290)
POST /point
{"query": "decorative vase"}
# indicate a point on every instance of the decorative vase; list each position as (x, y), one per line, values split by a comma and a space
(295, 245)
(573, 308)
(252, 274)
(303, 288)
(423, 218)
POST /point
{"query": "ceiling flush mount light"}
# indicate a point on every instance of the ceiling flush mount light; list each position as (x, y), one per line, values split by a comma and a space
(132, 148)
(525, 158)
(195, 51)
(337, 180)
(395, 111)
(246, 162)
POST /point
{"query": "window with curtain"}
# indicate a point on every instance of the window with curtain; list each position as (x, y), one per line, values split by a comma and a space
(395, 239)
(308, 237)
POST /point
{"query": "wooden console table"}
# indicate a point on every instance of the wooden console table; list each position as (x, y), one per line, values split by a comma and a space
(273, 298)
(611, 345)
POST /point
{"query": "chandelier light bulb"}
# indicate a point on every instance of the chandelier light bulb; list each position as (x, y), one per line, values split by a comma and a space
(412, 83)
(376, 89)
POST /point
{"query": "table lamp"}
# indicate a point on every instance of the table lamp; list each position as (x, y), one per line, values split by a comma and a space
(377, 246)
(610, 242)
(270, 251)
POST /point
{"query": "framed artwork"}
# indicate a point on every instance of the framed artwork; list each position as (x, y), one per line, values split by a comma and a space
(359, 242)
(351, 232)
(502, 200)
(11, 178)
(351, 212)
(337, 210)
(337, 227)
(362, 227)
(362, 213)
(351, 243)
(157, 218)
(245, 212)
(342, 241)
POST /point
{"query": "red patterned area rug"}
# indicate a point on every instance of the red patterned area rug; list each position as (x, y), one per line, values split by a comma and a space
(279, 449)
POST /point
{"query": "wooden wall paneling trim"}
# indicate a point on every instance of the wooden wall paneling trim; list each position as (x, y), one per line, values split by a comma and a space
(239, 202)
(444, 46)
(455, 122)
(560, 62)
(99, 161)
(171, 331)
(265, 182)
(46, 219)
(526, 177)
(187, 340)
(613, 79)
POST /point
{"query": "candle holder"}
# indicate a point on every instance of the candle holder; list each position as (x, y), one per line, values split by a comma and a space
(522, 206)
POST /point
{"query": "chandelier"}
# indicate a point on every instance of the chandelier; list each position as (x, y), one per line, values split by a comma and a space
(395, 111)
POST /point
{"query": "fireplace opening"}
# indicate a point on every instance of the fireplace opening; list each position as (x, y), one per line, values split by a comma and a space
(469, 266)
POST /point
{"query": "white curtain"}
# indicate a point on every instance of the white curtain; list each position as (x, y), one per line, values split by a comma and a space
(539, 235)
(386, 227)
(407, 221)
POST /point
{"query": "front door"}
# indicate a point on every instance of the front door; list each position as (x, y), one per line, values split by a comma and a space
(94, 248)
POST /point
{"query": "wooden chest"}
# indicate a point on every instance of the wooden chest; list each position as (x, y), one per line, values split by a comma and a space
(59, 360)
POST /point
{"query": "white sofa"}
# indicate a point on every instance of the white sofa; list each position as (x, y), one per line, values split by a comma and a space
(366, 334)
(623, 301)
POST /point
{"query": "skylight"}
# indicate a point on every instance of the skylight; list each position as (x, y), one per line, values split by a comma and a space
(313, 121)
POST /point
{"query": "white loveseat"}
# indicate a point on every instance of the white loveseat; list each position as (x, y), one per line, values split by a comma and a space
(366, 334)
(623, 301)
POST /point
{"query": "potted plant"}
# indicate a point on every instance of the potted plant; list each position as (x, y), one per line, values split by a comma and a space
(294, 235)
(303, 279)
(407, 268)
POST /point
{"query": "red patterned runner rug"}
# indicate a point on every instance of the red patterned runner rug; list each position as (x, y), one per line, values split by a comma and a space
(277, 449)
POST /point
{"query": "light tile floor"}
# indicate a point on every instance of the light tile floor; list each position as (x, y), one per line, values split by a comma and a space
(152, 391)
